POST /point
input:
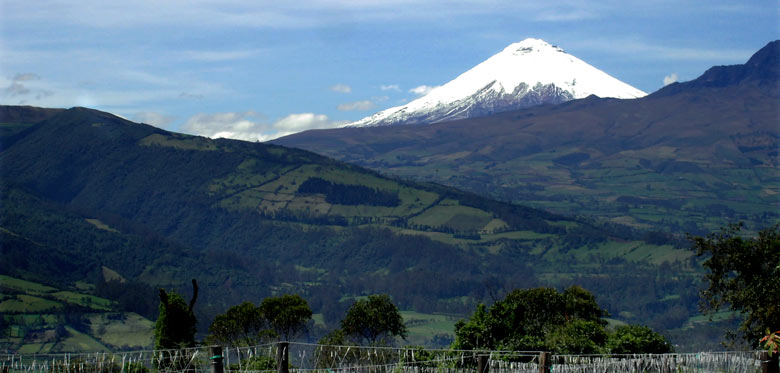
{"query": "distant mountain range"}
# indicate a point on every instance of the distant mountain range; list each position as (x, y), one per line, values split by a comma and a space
(524, 74)
(688, 158)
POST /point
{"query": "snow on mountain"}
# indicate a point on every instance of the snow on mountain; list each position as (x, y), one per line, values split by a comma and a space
(524, 74)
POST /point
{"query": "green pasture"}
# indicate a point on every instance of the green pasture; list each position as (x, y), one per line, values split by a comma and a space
(23, 303)
(461, 218)
(91, 301)
(423, 327)
(122, 330)
(24, 286)
(77, 341)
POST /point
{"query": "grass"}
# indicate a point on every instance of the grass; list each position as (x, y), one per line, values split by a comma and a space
(461, 218)
(715, 317)
(78, 341)
(318, 319)
(34, 348)
(637, 251)
(24, 286)
(33, 317)
(91, 301)
(423, 327)
(122, 330)
(30, 319)
(24, 303)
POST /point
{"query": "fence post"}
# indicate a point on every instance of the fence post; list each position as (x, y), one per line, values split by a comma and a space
(216, 359)
(545, 362)
(482, 364)
(769, 364)
(283, 357)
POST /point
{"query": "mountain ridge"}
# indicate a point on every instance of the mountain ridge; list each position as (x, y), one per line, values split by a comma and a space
(524, 74)
(763, 67)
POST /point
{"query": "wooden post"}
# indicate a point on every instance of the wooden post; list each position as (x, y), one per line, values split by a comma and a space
(769, 364)
(283, 357)
(482, 364)
(545, 362)
(216, 359)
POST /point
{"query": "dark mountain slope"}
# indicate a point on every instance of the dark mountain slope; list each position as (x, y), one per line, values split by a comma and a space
(763, 69)
(249, 220)
(690, 157)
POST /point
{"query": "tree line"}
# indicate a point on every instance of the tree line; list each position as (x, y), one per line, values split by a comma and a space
(525, 320)
(743, 275)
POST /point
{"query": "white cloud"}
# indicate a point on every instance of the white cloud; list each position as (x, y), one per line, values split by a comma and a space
(422, 90)
(240, 126)
(155, 119)
(302, 122)
(357, 105)
(390, 87)
(669, 79)
(341, 88)
(249, 126)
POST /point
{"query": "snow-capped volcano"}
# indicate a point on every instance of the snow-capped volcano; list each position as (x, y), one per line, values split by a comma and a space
(524, 74)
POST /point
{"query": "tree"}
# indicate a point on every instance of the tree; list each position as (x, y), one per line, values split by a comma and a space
(175, 326)
(330, 353)
(287, 315)
(241, 325)
(374, 320)
(533, 320)
(578, 337)
(743, 275)
(634, 339)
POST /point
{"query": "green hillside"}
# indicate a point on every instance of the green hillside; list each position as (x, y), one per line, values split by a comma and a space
(35, 318)
(83, 190)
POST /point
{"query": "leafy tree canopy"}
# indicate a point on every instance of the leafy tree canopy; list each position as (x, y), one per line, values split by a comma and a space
(634, 339)
(175, 326)
(287, 315)
(374, 320)
(284, 317)
(526, 318)
(542, 319)
(241, 325)
(744, 276)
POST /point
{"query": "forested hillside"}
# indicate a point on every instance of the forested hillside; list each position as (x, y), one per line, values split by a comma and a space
(84, 189)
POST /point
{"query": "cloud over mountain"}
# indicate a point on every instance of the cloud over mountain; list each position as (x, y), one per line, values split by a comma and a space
(251, 126)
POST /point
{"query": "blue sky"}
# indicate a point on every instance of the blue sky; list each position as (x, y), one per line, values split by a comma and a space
(255, 70)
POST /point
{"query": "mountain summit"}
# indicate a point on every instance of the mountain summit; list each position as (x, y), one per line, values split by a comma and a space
(524, 74)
